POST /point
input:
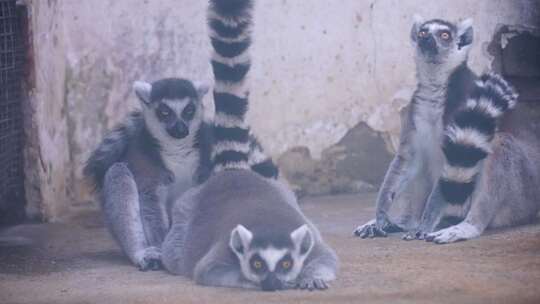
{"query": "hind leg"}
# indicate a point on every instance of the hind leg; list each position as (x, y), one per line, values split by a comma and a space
(122, 213)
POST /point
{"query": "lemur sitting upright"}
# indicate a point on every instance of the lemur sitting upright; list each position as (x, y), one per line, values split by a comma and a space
(455, 158)
(238, 229)
(157, 154)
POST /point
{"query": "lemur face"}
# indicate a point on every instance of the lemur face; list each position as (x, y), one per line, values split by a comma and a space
(172, 107)
(441, 42)
(271, 265)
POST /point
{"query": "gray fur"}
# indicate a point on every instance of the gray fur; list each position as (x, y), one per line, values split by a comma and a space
(198, 244)
(507, 181)
(239, 229)
(162, 167)
(140, 169)
(121, 202)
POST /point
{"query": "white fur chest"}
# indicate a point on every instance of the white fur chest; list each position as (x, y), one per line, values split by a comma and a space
(183, 161)
(429, 135)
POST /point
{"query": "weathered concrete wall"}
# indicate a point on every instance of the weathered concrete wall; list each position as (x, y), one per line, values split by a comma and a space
(124, 41)
(320, 67)
(47, 160)
(323, 67)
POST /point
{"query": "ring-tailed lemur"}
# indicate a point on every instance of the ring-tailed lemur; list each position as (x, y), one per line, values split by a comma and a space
(143, 165)
(239, 229)
(455, 160)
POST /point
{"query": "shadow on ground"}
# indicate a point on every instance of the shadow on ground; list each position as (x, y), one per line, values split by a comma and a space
(79, 263)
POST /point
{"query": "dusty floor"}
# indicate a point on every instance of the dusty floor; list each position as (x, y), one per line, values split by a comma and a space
(80, 264)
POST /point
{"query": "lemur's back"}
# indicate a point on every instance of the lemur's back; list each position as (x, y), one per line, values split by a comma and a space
(235, 197)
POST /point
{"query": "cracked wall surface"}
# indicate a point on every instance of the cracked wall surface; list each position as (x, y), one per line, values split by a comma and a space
(319, 69)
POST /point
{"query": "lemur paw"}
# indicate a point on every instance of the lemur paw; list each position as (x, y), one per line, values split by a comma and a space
(149, 259)
(370, 230)
(312, 284)
(459, 232)
(414, 235)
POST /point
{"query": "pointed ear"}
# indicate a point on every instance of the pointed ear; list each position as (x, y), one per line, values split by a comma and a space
(202, 88)
(417, 23)
(303, 239)
(142, 90)
(465, 32)
(240, 239)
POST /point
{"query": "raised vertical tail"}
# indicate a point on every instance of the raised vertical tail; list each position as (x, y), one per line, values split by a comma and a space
(468, 139)
(230, 23)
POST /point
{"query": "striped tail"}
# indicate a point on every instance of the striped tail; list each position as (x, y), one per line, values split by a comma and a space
(260, 162)
(468, 139)
(230, 23)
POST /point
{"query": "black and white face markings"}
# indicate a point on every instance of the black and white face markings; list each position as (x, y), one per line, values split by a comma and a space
(172, 107)
(441, 42)
(272, 263)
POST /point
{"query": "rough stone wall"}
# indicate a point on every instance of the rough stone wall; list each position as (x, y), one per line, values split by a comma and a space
(320, 70)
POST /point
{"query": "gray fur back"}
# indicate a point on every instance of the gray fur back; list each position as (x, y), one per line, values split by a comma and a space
(112, 148)
(208, 214)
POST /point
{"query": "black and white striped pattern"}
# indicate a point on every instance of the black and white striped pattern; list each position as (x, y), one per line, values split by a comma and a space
(467, 139)
(230, 23)
(259, 162)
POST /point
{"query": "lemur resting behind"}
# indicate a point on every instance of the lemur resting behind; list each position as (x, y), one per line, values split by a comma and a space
(239, 229)
(455, 158)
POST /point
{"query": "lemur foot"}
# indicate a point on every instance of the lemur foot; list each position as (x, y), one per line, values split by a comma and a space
(312, 284)
(459, 232)
(372, 229)
(369, 230)
(149, 259)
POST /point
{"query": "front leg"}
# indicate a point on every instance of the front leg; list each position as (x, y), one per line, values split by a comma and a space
(431, 217)
(381, 225)
(319, 269)
(218, 268)
(394, 180)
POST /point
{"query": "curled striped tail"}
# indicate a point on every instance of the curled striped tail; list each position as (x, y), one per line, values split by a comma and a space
(468, 138)
(230, 23)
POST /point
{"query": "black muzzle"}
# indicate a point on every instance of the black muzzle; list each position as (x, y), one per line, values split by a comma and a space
(179, 130)
(428, 45)
(271, 283)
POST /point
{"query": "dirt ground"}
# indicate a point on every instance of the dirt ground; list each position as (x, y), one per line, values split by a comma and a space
(79, 263)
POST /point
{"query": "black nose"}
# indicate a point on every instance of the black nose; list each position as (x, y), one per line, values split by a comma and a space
(428, 44)
(271, 283)
(179, 130)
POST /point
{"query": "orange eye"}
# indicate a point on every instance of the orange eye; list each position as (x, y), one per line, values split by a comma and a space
(422, 34)
(257, 264)
(286, 264)
(445, 35)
